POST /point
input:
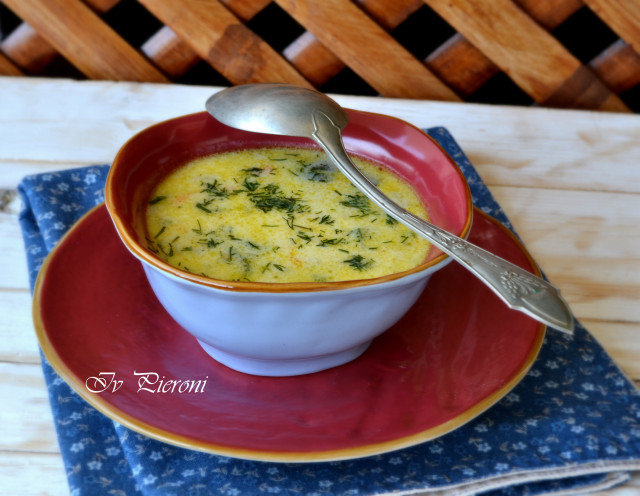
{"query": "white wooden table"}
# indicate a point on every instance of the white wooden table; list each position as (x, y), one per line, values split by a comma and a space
(570, 181)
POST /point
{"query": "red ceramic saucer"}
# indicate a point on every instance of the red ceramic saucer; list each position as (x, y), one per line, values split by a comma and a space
(457, 352)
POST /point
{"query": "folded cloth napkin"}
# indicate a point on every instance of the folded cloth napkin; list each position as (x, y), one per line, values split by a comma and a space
(572, 425)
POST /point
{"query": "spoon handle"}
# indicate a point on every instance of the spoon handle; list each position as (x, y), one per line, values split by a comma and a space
(518, 288)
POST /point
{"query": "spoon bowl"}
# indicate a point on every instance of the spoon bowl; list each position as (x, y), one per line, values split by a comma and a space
(274, 109)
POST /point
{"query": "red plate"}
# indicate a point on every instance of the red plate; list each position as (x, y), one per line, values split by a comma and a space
(457, 352)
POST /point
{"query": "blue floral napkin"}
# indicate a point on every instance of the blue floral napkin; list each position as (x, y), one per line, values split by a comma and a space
(571, 425)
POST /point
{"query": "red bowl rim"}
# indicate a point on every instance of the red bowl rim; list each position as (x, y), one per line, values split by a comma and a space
(146, 256)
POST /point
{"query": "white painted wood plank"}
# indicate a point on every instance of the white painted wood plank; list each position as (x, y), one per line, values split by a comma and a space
(17, 335)
(12, 171)
(13, 262)
(32, 474)
(586, 242)
(27, 422)
(86, 141)
(622, 342)
(510, 145)
(537, 147)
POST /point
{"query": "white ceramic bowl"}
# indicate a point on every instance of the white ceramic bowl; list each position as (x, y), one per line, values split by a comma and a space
(280, 329)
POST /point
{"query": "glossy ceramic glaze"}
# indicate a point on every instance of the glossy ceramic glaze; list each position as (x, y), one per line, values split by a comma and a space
(456, 352)
(292, 328)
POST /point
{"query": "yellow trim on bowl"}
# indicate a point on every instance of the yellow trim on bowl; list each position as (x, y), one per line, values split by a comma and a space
(273, 456)
(269, 287)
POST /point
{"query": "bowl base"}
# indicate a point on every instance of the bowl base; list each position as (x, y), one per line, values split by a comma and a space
(283, 367)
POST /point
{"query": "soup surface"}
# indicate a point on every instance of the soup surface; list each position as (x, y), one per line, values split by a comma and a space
(280, 215)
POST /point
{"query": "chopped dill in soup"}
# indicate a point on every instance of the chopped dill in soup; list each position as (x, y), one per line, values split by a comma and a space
(280, 215)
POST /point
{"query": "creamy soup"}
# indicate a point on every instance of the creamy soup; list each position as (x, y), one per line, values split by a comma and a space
(280, 215)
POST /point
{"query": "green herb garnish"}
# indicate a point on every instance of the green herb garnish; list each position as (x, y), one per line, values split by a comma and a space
(203, 208)
(210, 243)
(320, 172)
(358, 262)
(359, 202)
(250, 186)
(270, 197)
(326, 219)
(289, 220)
(213, 189)
(156, 200)
(169, 253)
(253, 171)
(330, 242)
(304, 236)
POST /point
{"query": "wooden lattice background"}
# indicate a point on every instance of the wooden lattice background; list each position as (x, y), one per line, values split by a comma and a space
(559, 53)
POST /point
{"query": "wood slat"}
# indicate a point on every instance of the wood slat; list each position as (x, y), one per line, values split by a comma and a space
(389, 14)
(365, 47)
(306, 54)
(319, 64)
(170, 53)
(599, 282)
(16, 329)
(33, 474)
(466, 69)
(8, 68)
(174, 56)
(25, 402)
(535, 60)
(313, 59)
(30, 51)
(13, 263)
(219, 37)
(245, 10)
(621, 340)
(623, 16)
(618, 66)
(544, 148)
(461, 65)
(550, 13)
(85, 40)
(11, 172)
(101, 6)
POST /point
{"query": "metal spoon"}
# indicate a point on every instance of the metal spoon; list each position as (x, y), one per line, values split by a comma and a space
(293, 111)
